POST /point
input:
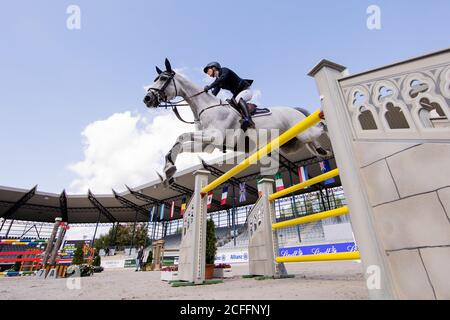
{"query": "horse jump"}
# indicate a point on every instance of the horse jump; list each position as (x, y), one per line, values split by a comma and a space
(390, 149)
(262, 221)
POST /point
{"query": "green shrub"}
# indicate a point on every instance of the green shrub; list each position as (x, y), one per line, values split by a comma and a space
(78, 257)
(17, 265)
(149, 258)
(97, 261)
(211, 248)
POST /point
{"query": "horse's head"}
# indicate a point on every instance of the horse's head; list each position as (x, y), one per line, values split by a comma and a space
(163, 89)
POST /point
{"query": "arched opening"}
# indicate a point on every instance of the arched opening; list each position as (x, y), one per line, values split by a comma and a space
(395, 117)
(432, 115)
(367, 120)
(417, 87)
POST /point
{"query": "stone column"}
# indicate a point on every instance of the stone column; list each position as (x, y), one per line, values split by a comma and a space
(263, 241)
(326, 74)
(193, 243)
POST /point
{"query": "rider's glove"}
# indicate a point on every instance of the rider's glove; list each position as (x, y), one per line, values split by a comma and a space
(206, 88)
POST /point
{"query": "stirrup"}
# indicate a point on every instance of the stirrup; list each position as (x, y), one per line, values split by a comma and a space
(247, 124)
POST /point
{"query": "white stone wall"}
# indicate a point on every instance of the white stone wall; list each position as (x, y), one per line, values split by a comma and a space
(410, 196)
(394, 160)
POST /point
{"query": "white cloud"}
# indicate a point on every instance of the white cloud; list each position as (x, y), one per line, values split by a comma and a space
(85, 233)
(257, 97)
(127, 148)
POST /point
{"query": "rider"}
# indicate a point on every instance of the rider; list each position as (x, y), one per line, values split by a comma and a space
(240, 88)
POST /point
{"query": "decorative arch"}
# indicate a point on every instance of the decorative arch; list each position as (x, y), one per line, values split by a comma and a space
(364, 114)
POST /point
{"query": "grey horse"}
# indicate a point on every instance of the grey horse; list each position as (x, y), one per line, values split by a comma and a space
(218, 124)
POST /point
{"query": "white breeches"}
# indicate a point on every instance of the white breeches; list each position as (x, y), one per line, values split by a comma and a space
(247, 95)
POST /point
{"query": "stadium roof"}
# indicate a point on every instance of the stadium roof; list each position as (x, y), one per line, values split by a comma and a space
(136, 202)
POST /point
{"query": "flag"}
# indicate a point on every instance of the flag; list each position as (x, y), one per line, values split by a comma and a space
(154, 215)
(210, 196)
(65, 226)
(183, 205)
(279, 182)
(223, 201)
(242, 192)
(172, 209)
(303, 174)
(152, 212)
(325, 167)
(258, 185)
(161, 212)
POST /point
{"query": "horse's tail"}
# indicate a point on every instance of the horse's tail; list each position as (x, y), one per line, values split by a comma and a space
(304, 111)
(307, 114)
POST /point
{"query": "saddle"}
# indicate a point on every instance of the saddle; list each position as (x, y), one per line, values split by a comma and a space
(253, 109)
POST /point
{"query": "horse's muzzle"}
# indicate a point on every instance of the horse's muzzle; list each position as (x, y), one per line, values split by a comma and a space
(149, 100)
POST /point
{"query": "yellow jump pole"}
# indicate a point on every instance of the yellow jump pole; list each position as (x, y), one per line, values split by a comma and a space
(320, 257)
(307, 183)
(264, 151)
(313, 217)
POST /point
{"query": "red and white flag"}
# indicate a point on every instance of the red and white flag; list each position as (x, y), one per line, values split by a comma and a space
(279, 185)
(303, 174)
(223, 201)
(210, 196)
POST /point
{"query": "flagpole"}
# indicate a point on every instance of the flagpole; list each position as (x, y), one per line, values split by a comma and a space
(134, 230)
(218, 218)
(294, 204)
(233, 212)
(328, 197)
(148, 224)
(154, 223)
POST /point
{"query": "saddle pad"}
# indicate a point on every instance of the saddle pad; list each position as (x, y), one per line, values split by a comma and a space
(261, 112)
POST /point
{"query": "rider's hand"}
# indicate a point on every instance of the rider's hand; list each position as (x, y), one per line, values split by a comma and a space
(206, 88)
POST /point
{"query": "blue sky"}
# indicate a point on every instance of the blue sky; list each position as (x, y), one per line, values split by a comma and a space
(55, 82)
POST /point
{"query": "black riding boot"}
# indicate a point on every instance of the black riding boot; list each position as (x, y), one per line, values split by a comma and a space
(248, 122)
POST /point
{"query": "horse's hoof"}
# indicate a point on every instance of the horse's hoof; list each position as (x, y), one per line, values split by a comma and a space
(168, 182)
(322, 152)
(170, 171)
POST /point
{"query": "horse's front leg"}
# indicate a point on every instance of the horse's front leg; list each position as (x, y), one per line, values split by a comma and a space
(187, 142)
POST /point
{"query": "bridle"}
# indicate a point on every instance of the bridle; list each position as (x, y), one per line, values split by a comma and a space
(160, 94)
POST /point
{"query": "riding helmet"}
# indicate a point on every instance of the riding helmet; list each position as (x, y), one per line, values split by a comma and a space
(210, 65)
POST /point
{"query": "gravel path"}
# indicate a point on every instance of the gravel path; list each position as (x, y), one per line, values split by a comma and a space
(324, 280)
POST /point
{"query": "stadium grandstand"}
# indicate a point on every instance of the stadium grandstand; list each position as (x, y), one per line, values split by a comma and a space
(30, 214)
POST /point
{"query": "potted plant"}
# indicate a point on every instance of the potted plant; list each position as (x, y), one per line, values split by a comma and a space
(169, 273)
(211, 249)
(223, 270)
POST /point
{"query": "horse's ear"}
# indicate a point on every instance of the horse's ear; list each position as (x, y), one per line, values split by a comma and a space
(168, 66)
(158, 70)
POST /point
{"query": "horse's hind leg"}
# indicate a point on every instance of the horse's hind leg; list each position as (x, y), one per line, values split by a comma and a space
(316, 149)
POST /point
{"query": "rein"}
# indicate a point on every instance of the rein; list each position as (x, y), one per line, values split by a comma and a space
(161, 96)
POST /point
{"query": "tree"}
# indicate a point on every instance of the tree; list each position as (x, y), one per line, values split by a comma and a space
(211, 248)
(124, 236)
(78, 257)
